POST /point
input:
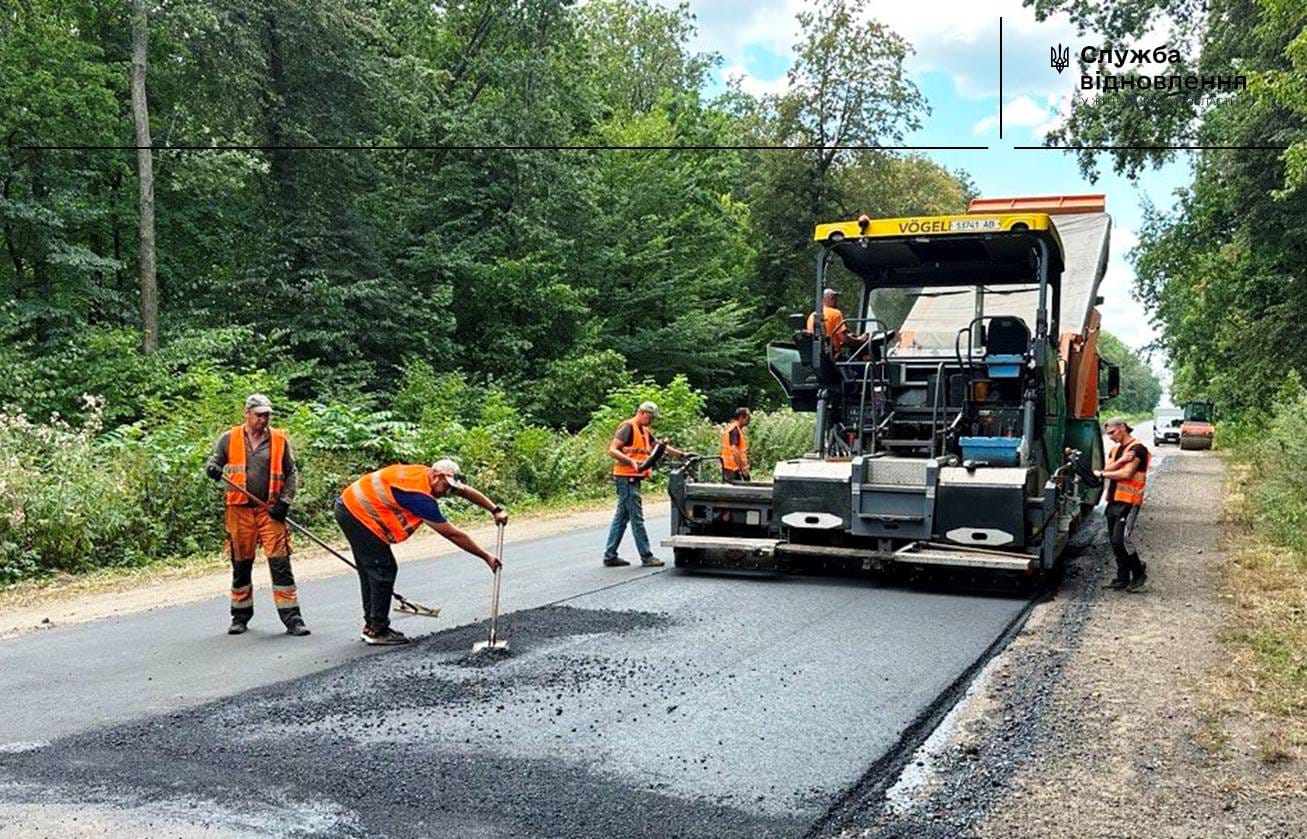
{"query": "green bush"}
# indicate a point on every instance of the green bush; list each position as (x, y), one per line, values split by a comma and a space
(775, 436)
(177, 379)
(70, 501)
(74, 497)
(573, 388)
(1275, 449)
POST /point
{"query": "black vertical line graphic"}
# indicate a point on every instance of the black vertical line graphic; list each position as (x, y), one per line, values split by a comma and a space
(1000, 78)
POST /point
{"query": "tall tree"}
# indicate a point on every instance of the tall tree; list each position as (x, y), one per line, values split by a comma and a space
(1223, 270)
(145, 177)
(638, 52)
(847, 87)
(1140, 388)
(56, 90)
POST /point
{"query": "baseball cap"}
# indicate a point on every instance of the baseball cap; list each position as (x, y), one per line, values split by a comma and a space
(258, 403)
(651, 407)
(449, 468)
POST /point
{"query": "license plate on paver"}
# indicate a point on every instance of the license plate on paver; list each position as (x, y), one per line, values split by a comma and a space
(974, 224)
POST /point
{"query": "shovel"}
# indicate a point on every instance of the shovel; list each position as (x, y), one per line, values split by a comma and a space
(494, 643)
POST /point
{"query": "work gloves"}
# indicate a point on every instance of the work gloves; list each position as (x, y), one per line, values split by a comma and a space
(214, 472)
(279, 511)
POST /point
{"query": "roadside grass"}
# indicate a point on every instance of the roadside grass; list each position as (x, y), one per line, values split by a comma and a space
(1265, 634)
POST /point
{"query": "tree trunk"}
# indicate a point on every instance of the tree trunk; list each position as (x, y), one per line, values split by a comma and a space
(145, 177)
(40, 256)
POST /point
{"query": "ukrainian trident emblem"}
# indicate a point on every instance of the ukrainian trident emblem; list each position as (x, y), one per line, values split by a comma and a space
(1059, 57)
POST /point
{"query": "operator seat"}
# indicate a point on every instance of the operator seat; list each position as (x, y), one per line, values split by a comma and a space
(1007, 347)
(1008, 335)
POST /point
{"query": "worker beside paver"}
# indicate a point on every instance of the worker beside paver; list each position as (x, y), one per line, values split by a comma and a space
(1127, 469)
(384, 508)
(259, 460)
(735, 447)
(631, 447)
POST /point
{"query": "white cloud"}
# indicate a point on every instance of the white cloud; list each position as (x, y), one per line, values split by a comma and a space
(753, 85)
(956, 37)
(727, 26)
(1021, 112)
(1123, 315)
(1059, 113)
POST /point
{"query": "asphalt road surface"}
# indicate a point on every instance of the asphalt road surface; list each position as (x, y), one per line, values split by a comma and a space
(633, 702)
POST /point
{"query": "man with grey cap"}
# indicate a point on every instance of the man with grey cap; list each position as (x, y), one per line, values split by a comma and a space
(832, 320)
(1127, 470)
(384, 508)
(258, 460)
(632, 449)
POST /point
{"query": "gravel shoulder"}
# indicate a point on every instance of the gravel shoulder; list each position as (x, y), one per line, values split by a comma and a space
(1104, 717)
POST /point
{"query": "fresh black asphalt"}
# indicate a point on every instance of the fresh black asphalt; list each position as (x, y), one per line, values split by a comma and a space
(668, 704)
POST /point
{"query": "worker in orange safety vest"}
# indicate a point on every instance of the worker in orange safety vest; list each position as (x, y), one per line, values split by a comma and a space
(258, 459)
(384, 508)
(631, 447)
(1127, 470)
(735, 447)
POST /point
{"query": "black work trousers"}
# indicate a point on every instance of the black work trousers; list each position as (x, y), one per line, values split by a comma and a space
(1121, 519)
(376, 567)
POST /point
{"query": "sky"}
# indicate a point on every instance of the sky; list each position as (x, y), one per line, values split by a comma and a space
(955, 65)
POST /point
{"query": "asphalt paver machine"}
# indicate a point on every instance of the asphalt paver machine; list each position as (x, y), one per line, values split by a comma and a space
(941, 441)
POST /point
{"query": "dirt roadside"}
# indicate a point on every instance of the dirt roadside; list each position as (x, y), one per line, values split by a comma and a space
(136, 590)
(1101, 718)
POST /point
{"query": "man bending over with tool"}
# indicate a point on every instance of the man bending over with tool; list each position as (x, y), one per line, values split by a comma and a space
(384, 508)
(1127, 469)
(258, 463)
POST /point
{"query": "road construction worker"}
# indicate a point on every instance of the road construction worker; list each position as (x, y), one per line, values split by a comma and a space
(832, 319)
(735, 447)
(258, 459)
(1127, 471)
(833, 323)
(384, 508)
(631, 446)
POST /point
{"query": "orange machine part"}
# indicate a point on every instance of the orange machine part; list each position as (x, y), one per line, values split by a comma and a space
(1080, 353)
(1051, 204)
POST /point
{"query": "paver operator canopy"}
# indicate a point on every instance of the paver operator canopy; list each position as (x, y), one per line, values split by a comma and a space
(981, 260)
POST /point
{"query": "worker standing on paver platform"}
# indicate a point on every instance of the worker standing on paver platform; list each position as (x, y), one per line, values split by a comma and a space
(384, 508)
(735, 447)
(259, 460)
(832, 319)
(631, 447)
(1127, 469)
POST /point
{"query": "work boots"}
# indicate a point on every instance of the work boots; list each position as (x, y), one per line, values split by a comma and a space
(1139, 583)
(237, 627)
(382, 636)
(295, 626)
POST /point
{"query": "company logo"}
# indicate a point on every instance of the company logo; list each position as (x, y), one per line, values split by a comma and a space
(1059, 57)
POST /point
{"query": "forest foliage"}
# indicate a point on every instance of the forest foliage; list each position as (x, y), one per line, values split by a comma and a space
(474, 228)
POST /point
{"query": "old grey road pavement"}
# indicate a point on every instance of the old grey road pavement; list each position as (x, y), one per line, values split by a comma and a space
(633, 702)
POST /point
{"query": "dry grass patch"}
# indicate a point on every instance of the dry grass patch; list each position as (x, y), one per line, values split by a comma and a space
(1264, 682)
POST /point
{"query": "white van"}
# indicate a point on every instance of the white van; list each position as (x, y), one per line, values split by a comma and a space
(1166, 426)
